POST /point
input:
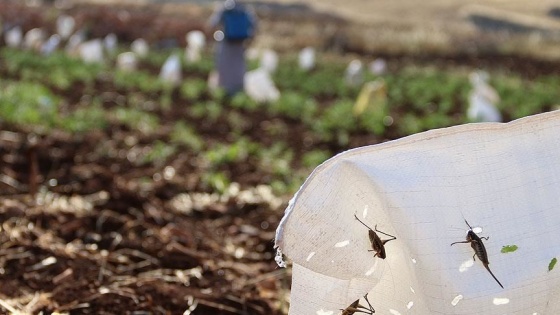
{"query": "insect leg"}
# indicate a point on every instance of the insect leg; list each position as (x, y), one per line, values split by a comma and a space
(358, 308)
(459, 242)
(369, 304)
(393, 237)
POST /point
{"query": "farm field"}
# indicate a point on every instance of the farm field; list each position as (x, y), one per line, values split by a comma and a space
(121, 194)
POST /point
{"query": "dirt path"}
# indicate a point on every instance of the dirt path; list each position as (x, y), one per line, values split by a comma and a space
(433, 27)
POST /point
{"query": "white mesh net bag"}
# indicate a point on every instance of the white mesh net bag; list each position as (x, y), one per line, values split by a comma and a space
(504, 179)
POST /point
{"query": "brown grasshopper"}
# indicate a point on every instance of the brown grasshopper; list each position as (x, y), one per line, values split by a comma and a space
(377, 244)
(479, 249)
(356, 307)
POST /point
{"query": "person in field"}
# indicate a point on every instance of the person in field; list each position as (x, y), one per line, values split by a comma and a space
(234, 24)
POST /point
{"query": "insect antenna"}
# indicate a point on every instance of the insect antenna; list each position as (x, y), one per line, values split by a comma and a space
(470, 227)
(355, 216)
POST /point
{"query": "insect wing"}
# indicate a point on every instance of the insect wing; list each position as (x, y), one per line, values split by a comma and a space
(479, 248)
(377, 244)
(351, 309)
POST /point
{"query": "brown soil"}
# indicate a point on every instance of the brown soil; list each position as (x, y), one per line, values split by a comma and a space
(84, 231)
(104, 235)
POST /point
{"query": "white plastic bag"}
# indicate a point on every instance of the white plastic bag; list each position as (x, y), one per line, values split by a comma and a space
(252, 53)
(14, 37)
(354, 75)
(483, 99)
(34, 39)
(74, 42)
(306, 58)
(196, 39)
(195, 43)
(171, 70)
(260, 87)
(503, 178)
(378, 66)
(51, 44)
(140, 47)
(269, 60)
(110, 42)
(65, 26)
(127, 61)
(91, 51)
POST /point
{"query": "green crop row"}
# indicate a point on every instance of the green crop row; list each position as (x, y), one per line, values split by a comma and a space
(59, 70)
(313, 119)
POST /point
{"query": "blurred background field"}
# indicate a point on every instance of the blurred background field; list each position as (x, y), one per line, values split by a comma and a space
(122, 192)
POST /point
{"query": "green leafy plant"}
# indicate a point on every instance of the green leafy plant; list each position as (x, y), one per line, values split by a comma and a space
(216, 181)
(158, 153)
(509, 249)
(313, 158)
(210, 110)
(552, 263)
(201, 67)
(243, 101)
(166, 97)
(136, 119)
(238, 151)
(28, 103)
(139, 79)
(316, 105)
(521, 97)
(84, 119)
(193, 89)
(276, 159)
(186, 135)
(57, 70)
(296, 106)
(237, 122)
(336, 122)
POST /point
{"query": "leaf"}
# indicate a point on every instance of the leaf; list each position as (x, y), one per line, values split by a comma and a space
(509, 248)
(552, 263)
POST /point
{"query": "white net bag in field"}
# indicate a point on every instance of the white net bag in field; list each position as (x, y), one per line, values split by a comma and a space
(504, 179)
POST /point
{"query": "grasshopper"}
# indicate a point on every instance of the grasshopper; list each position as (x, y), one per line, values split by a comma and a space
(377, 244)
(356, 307)
(479, 249)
